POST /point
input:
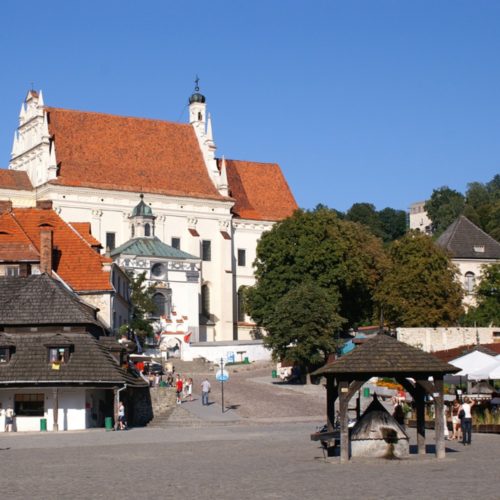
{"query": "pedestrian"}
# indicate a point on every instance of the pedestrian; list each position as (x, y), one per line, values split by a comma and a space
(157, 380)
(465, 415)
(121, 416)
(455, 421)
(188, 389)
(178, 389)
(9, 419)
(445, 422)
(205, 389)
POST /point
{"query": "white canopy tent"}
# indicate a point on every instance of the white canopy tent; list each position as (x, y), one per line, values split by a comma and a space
(476, 365)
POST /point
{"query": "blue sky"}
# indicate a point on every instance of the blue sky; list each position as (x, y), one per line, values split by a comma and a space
(359, 101)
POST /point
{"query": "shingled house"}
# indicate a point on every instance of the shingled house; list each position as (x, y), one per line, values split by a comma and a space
(93, 166)
(470, 249)
(53, 365)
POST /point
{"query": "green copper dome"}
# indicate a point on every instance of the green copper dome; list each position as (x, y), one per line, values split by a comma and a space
(197, 97)
(141, 209)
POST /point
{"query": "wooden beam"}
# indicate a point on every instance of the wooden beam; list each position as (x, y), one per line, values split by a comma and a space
(344, 420)
(55, 409)
(439, 418)
(420, 405)
(332, 393)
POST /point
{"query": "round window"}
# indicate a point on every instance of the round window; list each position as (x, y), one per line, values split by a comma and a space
(158, 270)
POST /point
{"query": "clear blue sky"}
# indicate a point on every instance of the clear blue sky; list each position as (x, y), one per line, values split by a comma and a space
(358, 101)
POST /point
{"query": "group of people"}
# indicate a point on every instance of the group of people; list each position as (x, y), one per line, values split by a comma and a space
(461, 419)
(183, 389)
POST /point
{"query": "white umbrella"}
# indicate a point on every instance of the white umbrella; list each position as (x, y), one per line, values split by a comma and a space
(473, 362)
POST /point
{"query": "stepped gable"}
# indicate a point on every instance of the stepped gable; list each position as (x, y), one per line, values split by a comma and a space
(13, 179)
(41, 300)
(260, 190)
(129, 154)
(89, 363)
(74, 260)
(386, 355)
(464, 240)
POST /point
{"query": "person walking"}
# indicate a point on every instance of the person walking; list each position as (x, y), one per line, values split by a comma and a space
(457, 431)
(205, 389)
(178, 389)
(121, 416)
(465, 415)
(188, 389)
(9, 419)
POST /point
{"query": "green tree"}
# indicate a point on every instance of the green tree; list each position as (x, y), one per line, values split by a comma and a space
(365, 213)
(487, 311)
(302, 328)
(444, 206)
(141, 299)
(340, 256)
(420, 289)
(393, 223)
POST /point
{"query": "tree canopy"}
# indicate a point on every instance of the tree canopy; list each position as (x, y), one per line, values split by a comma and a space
(443, 207)
(340, 256)
(487, 311)
(420, 288)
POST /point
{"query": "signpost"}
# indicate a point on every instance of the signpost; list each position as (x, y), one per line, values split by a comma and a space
(222, 376)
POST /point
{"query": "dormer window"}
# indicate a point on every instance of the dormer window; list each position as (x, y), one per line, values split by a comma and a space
(4, 355)
(58, 355)
(58, 351)
(479, 248)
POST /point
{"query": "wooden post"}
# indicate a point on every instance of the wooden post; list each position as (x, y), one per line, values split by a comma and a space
(332, 394)
(344, 420)
(115, 406)
(420, 404)
(55, 410)
(439, 419)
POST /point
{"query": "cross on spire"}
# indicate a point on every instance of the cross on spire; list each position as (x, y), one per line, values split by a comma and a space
(196, 82)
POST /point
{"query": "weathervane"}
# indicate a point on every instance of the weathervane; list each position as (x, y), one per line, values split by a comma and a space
(196, 82)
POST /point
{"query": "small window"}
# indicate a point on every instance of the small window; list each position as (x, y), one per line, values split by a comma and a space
(158, 270)
(133, 231)
(242, 257)
(58, 355)
(4, 355)
(206, 250)
(162, 305)
(176, 243)
(12, 271)
(470, 282)
(479, 248)
(205, 301)
(29, 405)
(147, 230)
(241, 304)
(110, 241)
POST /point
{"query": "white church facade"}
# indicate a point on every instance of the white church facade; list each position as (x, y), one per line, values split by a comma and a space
(93, 166)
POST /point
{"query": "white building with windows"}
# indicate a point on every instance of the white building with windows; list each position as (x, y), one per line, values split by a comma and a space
(93, 166)
(418, 218)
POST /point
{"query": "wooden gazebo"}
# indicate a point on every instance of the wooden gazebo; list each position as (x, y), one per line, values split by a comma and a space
(384, 356)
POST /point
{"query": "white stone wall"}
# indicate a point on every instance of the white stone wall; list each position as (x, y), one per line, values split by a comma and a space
(213, 351)
(103, 302)
(440, 339)
(419, 218)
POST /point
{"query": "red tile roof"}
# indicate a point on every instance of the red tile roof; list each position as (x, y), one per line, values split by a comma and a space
(84, 230)
(130, 154)
(75, 262)
(15, 246)
(450, 354)
(13, 179)
(260, 190)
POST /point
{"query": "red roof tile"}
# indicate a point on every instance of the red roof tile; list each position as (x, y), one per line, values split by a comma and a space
(260, 190)
(76, 262)
(15, 246)
(13, 179)
(129, 154)
(84, 230)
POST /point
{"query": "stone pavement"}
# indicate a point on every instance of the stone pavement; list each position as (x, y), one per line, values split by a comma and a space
(232, 461)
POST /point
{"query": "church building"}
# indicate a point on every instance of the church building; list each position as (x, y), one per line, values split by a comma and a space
(94, 166)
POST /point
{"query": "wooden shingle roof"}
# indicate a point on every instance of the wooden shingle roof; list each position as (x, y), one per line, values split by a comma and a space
(89, 363)
(41, 300)
(464, 240)
(385, 355)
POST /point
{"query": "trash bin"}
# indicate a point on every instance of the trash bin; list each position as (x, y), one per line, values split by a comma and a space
(163, 384)
(274, 374)
(366, 392)
(43, 425)
(108, 423)
(246, 362)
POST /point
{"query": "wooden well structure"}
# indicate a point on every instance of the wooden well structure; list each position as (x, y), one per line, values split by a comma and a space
(419, 372)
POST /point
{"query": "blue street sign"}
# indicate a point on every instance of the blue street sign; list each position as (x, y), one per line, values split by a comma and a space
(222, 376)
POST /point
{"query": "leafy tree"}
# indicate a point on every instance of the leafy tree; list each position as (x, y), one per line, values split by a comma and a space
(340, 256)
(487, 311)
(141, 298)
(420, 289)
(303, 325)
(365, 213)
(444, 206)
(393, 223)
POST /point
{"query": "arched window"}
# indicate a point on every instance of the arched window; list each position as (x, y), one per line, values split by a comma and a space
(205, 301)
(470, 282)
(147, 230)
(241, 303)
(133, 230)
(161, 305)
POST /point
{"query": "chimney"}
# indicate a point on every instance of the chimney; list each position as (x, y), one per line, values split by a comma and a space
(5, 206)
(46, 251)
(44, 204)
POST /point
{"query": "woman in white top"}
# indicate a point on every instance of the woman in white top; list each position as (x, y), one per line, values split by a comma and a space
(466, 420)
